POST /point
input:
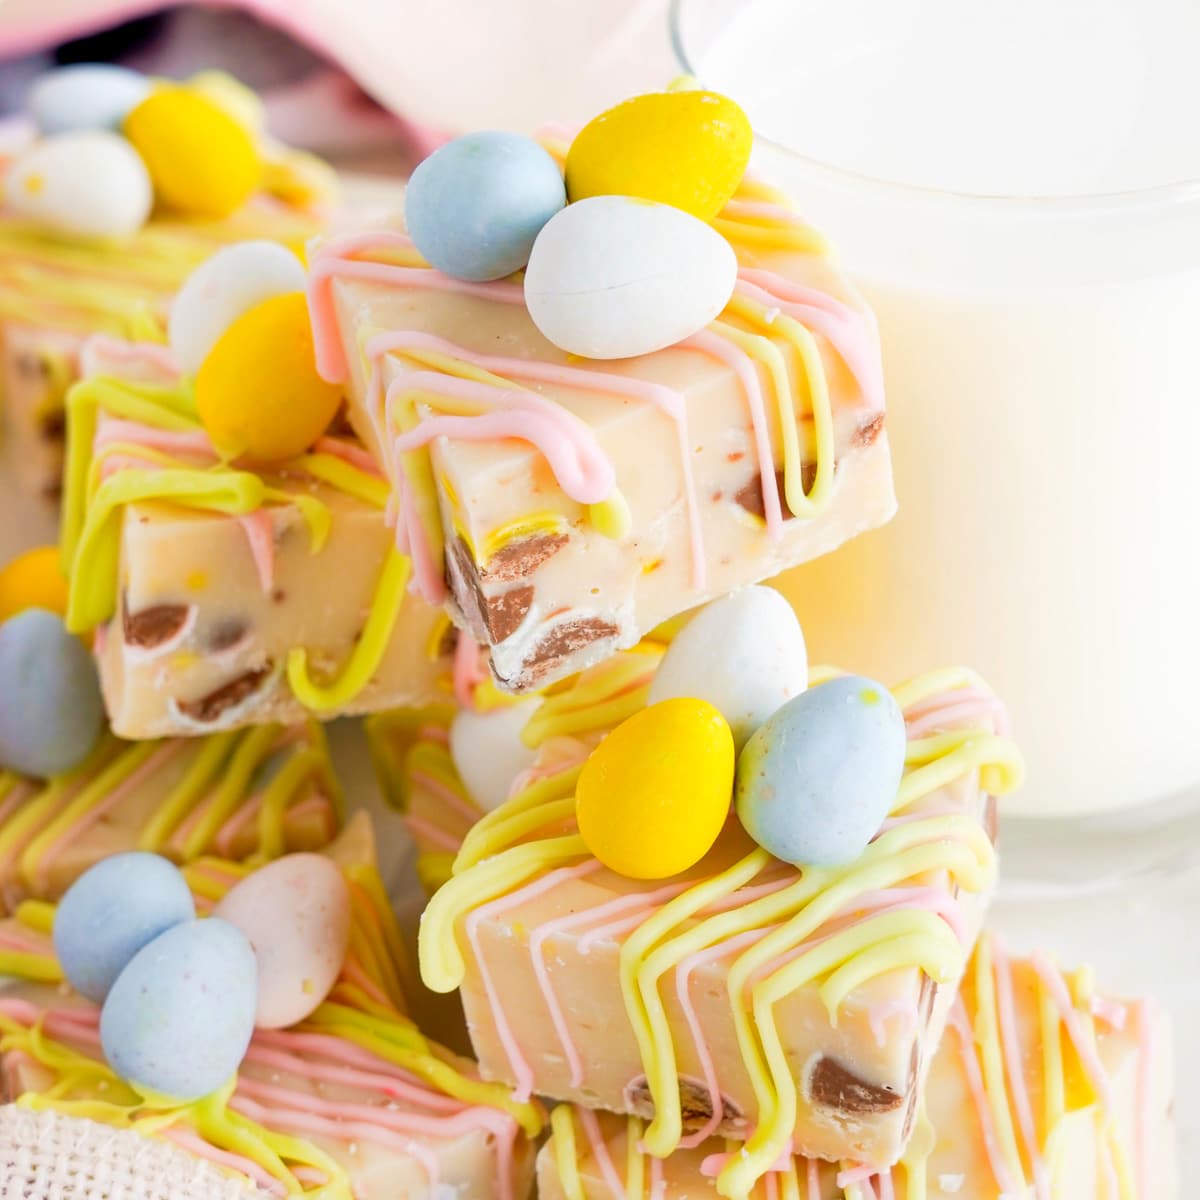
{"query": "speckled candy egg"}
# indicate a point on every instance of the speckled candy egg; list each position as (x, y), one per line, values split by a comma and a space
(85, 96)
(179, 1018)
(613, 277)
(686, 148)
(221, 289)
(295, 912)
(51, 712)
(475, 205)
(817, 779)
(88, 184)
(111, 911)
(654, 795)
(743, 653)
(488, 752)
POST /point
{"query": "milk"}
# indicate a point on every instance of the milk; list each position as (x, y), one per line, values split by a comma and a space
(1009, 186)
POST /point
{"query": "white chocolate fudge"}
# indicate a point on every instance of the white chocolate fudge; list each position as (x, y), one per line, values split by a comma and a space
(56, 290)
(354, 1101)
(259, 793)
(222, 596)
(1043, 1088)
(744, 997)
(565, 507)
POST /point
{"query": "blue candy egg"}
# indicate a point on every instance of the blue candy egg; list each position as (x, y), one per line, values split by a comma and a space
(819, 776)
(475, 205)
(111, 911)
(85, 96)
(51, 712)
(179, 1018)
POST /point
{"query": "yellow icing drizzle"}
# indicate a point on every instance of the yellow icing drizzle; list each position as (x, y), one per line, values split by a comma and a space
(93, 509)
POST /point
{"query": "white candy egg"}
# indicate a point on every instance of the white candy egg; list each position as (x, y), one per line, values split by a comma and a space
(91, 184)
(488, 752)
(611, 277)
(743, 653)
(86, 96)
(221, 289)
(295, 912)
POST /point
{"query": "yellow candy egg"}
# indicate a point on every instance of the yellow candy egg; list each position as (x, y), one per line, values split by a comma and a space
(258, 392)
(654, 795)
(33, 580)
(688, 149)
(203, 162)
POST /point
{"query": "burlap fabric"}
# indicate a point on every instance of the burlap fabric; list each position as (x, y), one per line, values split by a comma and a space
(48, 1156)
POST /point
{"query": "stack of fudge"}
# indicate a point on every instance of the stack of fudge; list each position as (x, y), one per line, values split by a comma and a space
(743, 1028)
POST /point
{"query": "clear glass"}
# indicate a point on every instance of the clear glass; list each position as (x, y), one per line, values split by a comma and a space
(1016, 188)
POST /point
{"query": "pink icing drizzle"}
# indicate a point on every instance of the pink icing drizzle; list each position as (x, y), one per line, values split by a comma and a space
(429, 834)
(516, 1058)
(740, 363)
(445, 796)
(1053, 981)
(668, 400)
(260, 535)
(156, 363)
(145, 770)
(348, 452)
(1010, 1047)
(468, 672)
(961, 1025)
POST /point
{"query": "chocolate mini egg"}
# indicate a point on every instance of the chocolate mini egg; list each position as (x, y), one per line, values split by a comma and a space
(819, 776)
(51, 712)
(488, 752)
(613, 277)
(33, 580)
(686, 148)
(295, 912)
(179, 1018)
(221, 289)
(202, 160)
(88, 184)
(111, 911)
(654, 795)
(475, 205)
(743, 653)
(258, 393)
(85, 96)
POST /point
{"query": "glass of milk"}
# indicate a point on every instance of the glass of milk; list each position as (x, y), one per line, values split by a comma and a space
(1016, 188)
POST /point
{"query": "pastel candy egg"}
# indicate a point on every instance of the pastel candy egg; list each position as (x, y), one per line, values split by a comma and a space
(221, 289)
(179, 1018)
(818, 777)
(487, 750)
(612, 277)
(111, 911)
(202, 160)
(88, 184)
(295, 912)
(33, 580)
(50, 708)
(654, 795)
(475, 205)
(743, 653)
(85, 96)
(687, 148)
(258, 393)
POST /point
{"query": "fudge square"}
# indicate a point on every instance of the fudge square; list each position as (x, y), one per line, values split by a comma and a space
(1088, 1075)
(222, 596)
(566, 506)
(354, 1101)
(747, 998)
